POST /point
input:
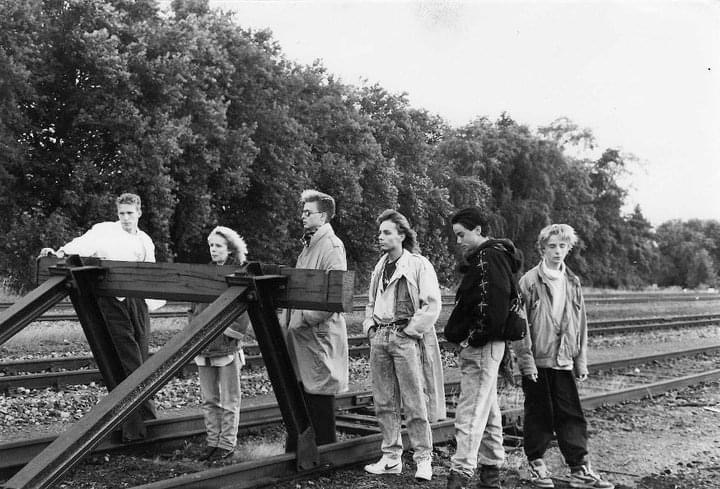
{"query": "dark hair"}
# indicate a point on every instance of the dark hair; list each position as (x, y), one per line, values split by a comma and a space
(410, 242)
(326, 203)
(470, 218)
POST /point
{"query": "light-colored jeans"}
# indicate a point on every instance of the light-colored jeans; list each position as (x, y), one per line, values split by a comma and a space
(220, 388)
(396, 368)
(478, 423)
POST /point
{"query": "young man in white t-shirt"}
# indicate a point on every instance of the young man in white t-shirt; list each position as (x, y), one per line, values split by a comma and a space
(127, 317)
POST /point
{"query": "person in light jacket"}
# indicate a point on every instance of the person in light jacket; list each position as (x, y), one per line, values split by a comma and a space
(317, 340)
(219, 363)
(551, 357)
(403, 304)
(127, 318)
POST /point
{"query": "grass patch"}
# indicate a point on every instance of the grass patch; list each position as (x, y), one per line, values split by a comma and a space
(7, 294)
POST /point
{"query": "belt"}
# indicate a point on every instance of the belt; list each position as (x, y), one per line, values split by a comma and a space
(399, 322)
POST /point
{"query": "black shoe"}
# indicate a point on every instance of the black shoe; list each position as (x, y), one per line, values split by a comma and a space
(489, 477)
(207, 454)
(456, 480)
(222, 454)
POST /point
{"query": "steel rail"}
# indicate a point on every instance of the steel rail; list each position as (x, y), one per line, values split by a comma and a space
(81, 369)
(448, 300)
(171, 429)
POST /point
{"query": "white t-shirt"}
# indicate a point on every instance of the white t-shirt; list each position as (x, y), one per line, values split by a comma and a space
(110, 241)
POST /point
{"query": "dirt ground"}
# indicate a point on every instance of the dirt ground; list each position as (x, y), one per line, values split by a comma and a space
(667, 442)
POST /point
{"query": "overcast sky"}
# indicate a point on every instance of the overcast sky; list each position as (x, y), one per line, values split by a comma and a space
(642, 75)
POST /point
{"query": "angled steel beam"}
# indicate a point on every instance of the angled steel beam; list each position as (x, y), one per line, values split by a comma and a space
(24, 311)
(94, 325)
(288, 391)
(97, 332)
(54, 461)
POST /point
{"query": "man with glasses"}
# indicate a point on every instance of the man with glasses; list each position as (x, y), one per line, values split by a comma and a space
(317, 340)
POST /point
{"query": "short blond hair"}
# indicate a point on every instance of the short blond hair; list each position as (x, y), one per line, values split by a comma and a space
(565, 232)
(236, 245)
(129, 199)
(325, 202)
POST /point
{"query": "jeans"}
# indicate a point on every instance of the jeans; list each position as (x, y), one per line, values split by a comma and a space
(552, 404)
(397, 374)
(478, 422)
(220, 388)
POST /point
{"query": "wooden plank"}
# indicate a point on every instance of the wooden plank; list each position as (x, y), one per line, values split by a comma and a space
(306, 288)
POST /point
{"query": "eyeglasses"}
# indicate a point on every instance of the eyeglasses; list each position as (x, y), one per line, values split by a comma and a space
(306, 213)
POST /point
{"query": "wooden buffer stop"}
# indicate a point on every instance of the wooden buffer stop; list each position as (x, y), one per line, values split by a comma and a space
(256, 288)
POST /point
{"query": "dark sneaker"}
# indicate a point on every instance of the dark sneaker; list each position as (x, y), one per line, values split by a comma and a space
(489, 477)
(539, 474)
(207, 454)
(222, 454)
(456, 480)
(584, 477)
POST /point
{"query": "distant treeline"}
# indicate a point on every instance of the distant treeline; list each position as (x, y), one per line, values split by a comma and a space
(210, 124)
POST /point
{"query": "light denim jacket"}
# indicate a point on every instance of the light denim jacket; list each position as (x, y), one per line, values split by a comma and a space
(547, 343)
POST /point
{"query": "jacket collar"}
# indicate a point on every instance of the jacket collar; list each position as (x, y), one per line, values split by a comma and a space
(569, 275)
(324, 230)
(402, 268)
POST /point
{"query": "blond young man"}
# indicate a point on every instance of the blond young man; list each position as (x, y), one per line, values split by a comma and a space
(127, 317)
(552, 357)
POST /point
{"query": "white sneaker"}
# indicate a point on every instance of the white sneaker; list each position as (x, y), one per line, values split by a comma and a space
(424, 470)
(385, 465)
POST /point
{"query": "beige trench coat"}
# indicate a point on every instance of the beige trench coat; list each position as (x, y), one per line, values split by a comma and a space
(426, 298)
(317, 340)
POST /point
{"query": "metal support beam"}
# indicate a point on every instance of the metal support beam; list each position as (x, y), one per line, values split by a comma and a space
(23, 312)
(97, 331)
(94, 325)
(288, 391)
(52, 463)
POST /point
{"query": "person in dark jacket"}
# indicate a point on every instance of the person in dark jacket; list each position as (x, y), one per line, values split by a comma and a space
(220, 362)
(482, 303)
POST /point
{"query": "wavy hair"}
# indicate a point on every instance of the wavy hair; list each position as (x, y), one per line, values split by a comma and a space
(410, 242)
(236, 245)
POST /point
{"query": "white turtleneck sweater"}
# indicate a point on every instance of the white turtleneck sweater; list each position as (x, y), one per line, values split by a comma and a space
(557, 290)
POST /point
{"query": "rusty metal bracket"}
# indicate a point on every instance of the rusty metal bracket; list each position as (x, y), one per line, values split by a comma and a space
(23, 312)
(54, 461)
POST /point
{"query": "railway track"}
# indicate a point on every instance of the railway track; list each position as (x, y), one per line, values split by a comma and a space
(57, 372)
(353, 418)
(179, 309)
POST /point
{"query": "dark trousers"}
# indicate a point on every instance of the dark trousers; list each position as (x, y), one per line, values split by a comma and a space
(322, 417)
(552, 405)
(128, 322)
